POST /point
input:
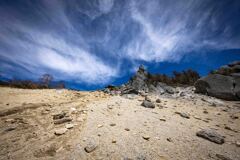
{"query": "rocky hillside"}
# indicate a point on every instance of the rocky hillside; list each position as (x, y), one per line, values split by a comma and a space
(223, 83)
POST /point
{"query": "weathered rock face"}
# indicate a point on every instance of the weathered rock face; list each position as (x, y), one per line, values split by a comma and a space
(223, 83)
(141, 83)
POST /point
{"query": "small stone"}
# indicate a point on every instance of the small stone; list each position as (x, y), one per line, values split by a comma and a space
(160, 106)
(110, 107)
(229, 128)
(114, 141)
(148, 104)
(234, 116)
(204, 120)
(222, 157)
(10, 120)
(161, 119)
(169, 139)
(225, 110)
(62, 120)
(141, 157)
(127, 129)
(10, 128)
(184, 115)
(59, 115)
(158, 101)
(211, 135)
(146, 137)
(112, 124)
(69, 126)
(196, 117)
(91, 146)
(60, 131)
(205, 112)
(100, 126)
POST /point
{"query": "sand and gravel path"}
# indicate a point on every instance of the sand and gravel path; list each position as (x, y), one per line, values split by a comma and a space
(113, 127)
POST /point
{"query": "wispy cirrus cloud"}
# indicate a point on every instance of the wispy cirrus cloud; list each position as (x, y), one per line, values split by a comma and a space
(172, 29)
(91, 42)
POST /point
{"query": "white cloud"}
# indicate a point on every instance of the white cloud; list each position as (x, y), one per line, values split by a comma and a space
(168, 31)
(48, 52)
(75, 62)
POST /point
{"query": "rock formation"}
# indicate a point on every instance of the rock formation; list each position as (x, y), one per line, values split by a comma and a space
(223, 83)
(141, 82)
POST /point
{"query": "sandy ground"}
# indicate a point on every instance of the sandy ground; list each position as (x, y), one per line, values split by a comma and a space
(113, 127)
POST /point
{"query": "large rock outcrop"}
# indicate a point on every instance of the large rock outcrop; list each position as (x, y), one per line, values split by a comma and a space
(223, 83)
(141, 82)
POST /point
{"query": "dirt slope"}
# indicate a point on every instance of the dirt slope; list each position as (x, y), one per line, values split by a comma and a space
(113, 127)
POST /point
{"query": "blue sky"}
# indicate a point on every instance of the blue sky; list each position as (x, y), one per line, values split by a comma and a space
(92, 43)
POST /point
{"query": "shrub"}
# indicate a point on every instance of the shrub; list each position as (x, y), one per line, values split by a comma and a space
(188, 77)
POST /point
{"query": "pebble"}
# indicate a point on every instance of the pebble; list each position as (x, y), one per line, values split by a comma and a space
(225, 110)
(91, 146)
(60, 131)
(11, 128)
(100, 125)
(59, 115)
(127, 129)
(114, 141)
(222, 157)
(169, 139)
(234, 116)
(146, 137)
(148, 104)
(69, 126)
(73, 110)
(112, 124)
(10, 120)
(205, 112)
(161, 119)
(184, 115)
(196, 117)
(63, 120)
